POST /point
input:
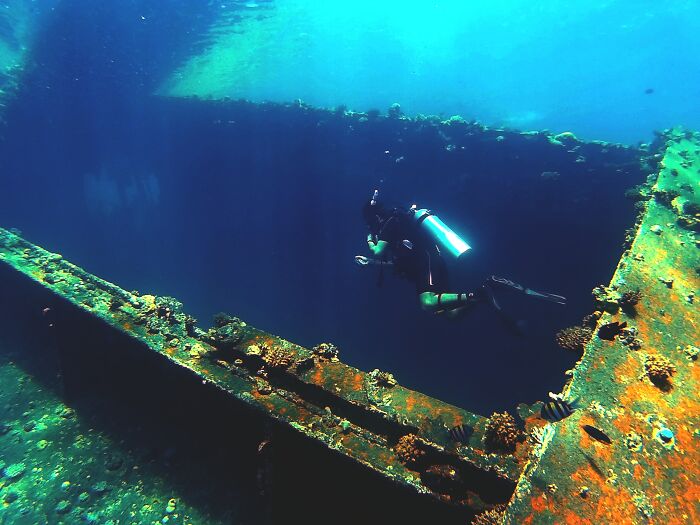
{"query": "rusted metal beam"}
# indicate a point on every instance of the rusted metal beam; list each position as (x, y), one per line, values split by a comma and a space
(638, 379)
(400, 434)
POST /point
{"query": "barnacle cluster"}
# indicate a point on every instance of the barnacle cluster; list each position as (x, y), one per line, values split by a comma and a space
(115, 303)
(574, 338)
(628, 337)
(277, 357)
(591, 320)
(327, 351)
(227, 331)
(15, 471)
(409, 449)
(190, 325)
(633, 441)
(501, 433)
(606, 299)
(445, 473)
(689, 216)
(395, 111)
(493, 516)
(538, 436)
(692, 352)
(630, 234)
(168, 308)
(659, 369)
(629, 299)
(222, 319)
(638, 193)
(384, 379)
(666, 197)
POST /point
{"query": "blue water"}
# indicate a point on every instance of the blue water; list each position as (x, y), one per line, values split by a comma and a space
(256, 211)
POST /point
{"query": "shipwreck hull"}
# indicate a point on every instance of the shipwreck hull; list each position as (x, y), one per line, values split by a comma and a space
(388, 447)
(316, 410)
(640, 386)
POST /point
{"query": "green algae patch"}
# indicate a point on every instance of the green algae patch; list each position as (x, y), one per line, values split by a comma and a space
(56, 479)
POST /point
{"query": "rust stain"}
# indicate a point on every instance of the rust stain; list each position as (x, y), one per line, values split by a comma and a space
(571, 518)
(410, 402)
(357, 383)
(539, 503)
(317, 377)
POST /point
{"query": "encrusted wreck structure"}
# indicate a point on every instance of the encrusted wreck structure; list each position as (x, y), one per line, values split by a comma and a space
(637, 381)
(638, 377)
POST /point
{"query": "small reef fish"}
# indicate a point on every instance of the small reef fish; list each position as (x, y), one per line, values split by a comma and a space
(597, 434)
(648, 91)
(558, 409)
(461, 433)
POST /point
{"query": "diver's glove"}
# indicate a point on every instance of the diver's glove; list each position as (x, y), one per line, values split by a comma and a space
(361, 260)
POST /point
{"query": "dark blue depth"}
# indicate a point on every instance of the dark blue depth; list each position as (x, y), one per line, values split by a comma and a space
(257, 211)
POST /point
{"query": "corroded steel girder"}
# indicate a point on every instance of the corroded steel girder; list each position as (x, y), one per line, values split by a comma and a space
(640, 384)
(363, 416)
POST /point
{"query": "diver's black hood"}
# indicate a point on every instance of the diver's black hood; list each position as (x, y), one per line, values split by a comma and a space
(375, 215)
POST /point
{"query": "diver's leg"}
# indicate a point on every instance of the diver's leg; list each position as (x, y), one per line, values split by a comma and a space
(432, 281)
(440, 302)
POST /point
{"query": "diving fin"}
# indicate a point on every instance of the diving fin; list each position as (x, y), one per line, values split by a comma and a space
(546, 296)
(527, 291)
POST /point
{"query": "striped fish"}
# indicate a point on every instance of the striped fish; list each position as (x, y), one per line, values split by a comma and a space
(461, 433)
(558, 409)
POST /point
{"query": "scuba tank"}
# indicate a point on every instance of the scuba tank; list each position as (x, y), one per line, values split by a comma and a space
(440, 232)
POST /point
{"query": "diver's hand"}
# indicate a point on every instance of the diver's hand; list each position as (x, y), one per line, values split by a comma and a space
(366, 261)
(361, 260)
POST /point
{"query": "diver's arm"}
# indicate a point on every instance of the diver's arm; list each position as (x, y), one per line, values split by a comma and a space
(365, 261)
(376, 246)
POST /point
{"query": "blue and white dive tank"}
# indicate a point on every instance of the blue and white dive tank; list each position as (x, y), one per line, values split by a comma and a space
(440, 232)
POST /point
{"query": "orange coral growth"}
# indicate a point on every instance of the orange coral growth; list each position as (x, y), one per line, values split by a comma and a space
(572, 518)
(317, 377)
(574, 338)
(326, 351)
(493, 516)
(501, 432)
(277, 357)
(539, 503)
(409, 449)
(410, 402)
(630, 299)
(659, 369)
(638, 473)
(357, 382)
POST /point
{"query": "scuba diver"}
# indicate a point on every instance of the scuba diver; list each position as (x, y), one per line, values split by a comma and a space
(411, 242)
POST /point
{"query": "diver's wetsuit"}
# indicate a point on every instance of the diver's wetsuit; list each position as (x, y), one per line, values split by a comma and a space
(414, 256)
(397, 240)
